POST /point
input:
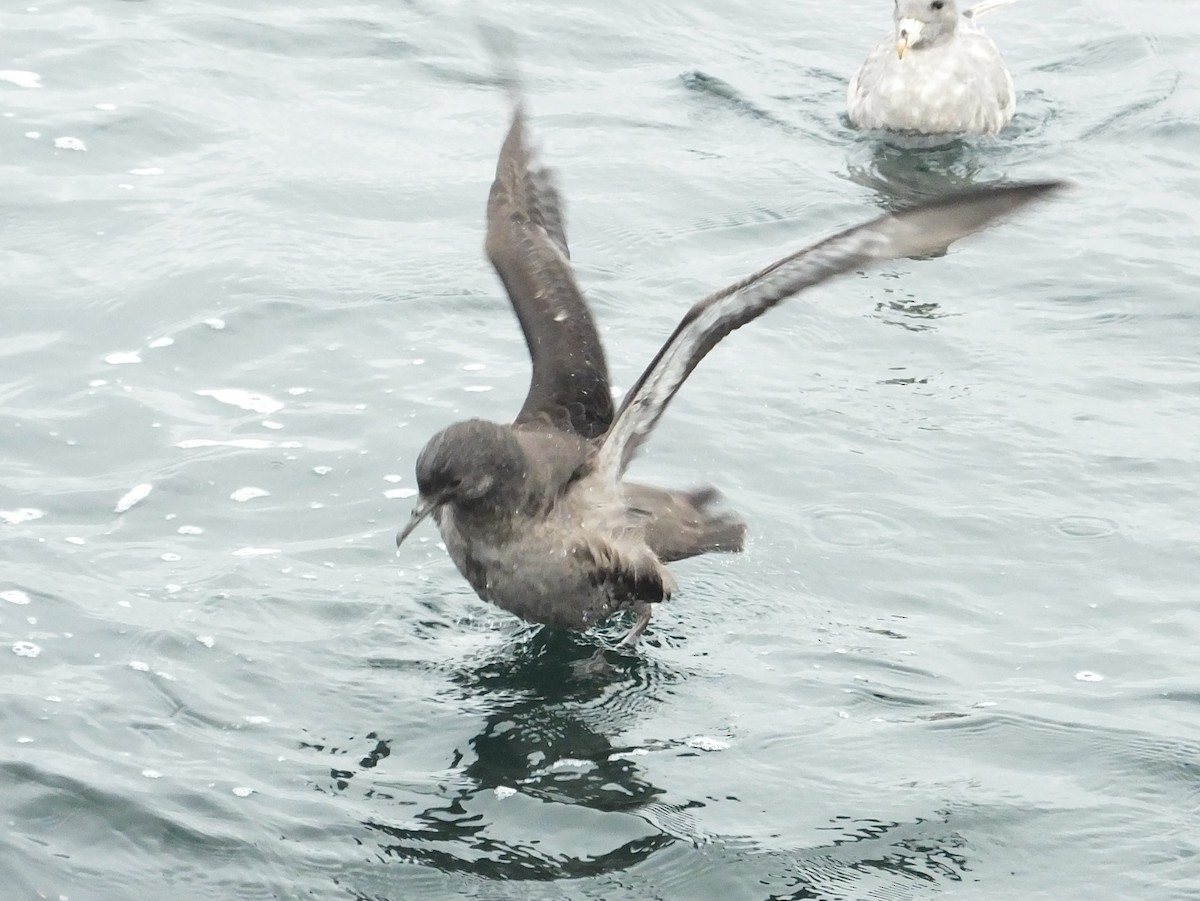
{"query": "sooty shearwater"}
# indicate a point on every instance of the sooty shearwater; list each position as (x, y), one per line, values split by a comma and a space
(536, 514)
(937, 73)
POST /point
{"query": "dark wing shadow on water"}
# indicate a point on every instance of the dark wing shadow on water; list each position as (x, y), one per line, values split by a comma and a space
(725, 95)
(805, 115)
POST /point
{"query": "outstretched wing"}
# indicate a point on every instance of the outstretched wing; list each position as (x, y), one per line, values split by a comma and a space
(923, 230)
(527, 243)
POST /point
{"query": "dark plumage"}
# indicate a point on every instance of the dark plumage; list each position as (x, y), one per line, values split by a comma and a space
(536, 514)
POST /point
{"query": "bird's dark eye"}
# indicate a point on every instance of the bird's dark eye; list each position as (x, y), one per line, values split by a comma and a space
(937, 4)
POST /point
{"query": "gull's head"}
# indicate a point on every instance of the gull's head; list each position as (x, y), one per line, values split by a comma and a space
(922, 23)
(469, 464)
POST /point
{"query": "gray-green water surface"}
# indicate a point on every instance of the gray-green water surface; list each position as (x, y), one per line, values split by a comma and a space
(242, 281)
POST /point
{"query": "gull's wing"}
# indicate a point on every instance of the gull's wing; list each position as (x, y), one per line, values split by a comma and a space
(985, 7)
(527, 243)
(923, 230)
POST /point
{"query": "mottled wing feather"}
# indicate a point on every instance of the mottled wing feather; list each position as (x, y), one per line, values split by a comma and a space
(926, 229)
(527, 244)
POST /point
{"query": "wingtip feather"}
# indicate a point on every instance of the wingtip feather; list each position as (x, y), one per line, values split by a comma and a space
(501, 43)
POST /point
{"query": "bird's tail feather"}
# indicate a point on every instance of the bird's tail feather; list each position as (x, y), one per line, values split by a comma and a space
(681, 524)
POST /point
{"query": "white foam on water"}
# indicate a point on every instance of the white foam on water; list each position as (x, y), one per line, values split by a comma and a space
(66, 142)
(190, 530)
(255, 551)
(322, 470)
(401, 493)
(75, 539)
(393, 478)
(215, 322)
(573, 763)
(242, 792)
(245, 400)
(632, 752)
(296, 392)
(97, 383)
(207, 640)
(33, 135)
(707, 743)
(15, 596)
(123, 358)
(133, 496)
(21, 514)
(26, 649)
(170, 558)
(139, 665)
(271, 424)
(248, 493)
(477, 389)
(164, 341)
(1088, 676)
(106, 107)
(152, 774)
(21, 78)
(257, 720)
(146, 170)
(504, 791)
(474, 367)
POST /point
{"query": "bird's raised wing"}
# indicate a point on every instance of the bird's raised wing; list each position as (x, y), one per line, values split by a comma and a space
(527, 243)
(926, 229)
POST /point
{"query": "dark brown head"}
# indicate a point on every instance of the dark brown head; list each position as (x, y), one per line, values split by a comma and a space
(471, 464)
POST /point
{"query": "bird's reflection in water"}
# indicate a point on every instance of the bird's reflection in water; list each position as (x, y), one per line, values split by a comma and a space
(903, 171)
(540, 792)
(878, 859)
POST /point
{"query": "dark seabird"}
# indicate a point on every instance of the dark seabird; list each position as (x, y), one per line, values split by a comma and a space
(535, 514)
